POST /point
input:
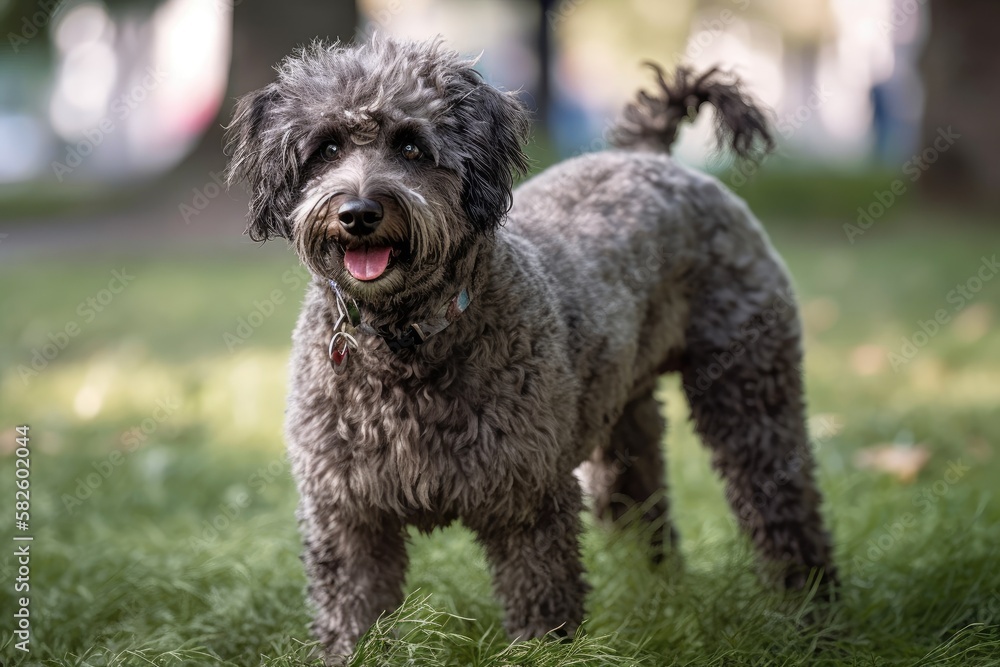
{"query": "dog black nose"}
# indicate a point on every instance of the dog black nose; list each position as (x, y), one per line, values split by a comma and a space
(360, 216)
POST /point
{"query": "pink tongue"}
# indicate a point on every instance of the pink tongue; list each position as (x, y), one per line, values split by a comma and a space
(367, 263)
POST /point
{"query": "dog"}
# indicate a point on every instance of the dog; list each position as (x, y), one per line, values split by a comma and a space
(470, 352)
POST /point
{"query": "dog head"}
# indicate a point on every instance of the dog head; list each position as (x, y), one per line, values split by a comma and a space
(382, 163)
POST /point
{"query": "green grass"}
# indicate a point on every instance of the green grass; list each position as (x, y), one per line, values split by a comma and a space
(185, 551)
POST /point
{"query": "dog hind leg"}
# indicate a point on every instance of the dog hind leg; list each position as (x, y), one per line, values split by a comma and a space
(629, 474)
(752, 417)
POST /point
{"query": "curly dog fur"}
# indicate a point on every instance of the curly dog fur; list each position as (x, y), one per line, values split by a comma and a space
(612, 269)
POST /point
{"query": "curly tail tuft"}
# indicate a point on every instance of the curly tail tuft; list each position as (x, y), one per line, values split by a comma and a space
(651, 122)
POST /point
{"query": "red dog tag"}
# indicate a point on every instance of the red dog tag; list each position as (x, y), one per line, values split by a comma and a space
(340, 356)
(340, 350)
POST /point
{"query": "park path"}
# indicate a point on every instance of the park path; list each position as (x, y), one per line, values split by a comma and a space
(158, 225)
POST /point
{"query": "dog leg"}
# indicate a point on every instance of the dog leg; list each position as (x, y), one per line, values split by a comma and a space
(752, 417)
(355, 574)
(537, 571)
(630, 473)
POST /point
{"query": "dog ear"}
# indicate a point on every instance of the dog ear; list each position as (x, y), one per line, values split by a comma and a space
(265, 161)
(492, 127)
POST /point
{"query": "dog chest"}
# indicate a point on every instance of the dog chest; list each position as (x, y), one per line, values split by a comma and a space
(416, 446)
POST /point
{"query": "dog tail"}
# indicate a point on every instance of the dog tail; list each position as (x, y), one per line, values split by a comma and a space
(651, 122)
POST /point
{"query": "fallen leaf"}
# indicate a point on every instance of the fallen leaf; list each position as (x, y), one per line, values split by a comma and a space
(901, 461)
(973, 323)
(980, 449)
(819, 315)
(868, 359)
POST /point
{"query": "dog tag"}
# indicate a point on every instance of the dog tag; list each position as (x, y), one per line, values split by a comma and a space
(339, 356)
(340, 350)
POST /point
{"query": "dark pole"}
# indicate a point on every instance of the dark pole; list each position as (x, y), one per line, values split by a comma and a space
(961, 67)
(544, 48)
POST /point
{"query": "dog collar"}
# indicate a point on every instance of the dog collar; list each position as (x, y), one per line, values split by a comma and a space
(349, 322)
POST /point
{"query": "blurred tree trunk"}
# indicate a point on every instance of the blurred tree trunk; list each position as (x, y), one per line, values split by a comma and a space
(961, 67)
(264, 32)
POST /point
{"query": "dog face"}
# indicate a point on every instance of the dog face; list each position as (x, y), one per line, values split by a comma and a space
(382, 163)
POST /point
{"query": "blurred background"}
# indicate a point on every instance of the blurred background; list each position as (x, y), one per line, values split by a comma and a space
(102, 101)
(144, 339)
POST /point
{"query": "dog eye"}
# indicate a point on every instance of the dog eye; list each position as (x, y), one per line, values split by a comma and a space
(411, 151)
(329, 151)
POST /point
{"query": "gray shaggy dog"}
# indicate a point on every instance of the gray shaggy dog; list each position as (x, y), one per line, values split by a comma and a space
(447, 366)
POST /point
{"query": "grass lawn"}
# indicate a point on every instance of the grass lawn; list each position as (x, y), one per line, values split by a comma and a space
(162, 507)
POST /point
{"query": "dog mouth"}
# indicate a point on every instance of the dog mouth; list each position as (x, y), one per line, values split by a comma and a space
(370, 262)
